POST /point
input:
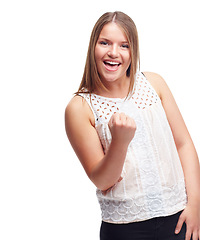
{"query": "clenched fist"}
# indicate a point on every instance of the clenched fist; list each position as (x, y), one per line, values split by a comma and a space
(122, 128)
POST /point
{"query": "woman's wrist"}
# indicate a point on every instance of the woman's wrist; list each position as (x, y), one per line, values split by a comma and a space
(194, 200)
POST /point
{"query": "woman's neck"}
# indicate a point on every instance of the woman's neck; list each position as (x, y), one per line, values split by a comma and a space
(115, 89)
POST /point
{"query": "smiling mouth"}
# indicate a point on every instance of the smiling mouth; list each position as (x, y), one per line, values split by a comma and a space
(110, 63)
(111, 66)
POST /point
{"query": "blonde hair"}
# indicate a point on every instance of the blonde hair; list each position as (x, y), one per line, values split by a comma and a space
(91, 80)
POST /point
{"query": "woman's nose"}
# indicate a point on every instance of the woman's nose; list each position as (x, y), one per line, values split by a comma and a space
(113, 52)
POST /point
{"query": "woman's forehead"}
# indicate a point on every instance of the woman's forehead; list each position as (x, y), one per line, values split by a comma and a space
(113, 31)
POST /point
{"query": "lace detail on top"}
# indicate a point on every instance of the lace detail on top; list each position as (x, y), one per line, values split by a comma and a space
(153, 181)
(143, 96)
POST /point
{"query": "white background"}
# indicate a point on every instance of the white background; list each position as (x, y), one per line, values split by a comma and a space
(44, 192)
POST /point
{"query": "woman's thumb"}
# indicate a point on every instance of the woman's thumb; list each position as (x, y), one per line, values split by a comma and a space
(179, 225)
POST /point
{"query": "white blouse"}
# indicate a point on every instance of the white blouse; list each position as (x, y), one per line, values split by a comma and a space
(153, 181)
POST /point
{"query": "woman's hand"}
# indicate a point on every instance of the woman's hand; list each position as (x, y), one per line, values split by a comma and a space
(122, 128)
(191, 216)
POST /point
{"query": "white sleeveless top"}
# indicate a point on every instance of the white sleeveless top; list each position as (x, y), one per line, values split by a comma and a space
(153, 181)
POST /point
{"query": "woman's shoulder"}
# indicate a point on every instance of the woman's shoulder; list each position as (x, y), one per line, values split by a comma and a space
(76, 104)
(156, 80)
(152, 76)
(78, 108)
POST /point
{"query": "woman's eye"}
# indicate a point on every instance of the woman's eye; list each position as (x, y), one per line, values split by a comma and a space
(125, 45)
(103, 43)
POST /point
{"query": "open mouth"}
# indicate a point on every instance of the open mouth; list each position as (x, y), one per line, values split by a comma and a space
(111, 66)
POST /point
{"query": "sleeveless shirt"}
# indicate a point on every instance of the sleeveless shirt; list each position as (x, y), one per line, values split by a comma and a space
(153, 182)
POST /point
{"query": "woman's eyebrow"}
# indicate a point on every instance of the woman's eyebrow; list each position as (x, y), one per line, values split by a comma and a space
(103, 38)
(106, 39)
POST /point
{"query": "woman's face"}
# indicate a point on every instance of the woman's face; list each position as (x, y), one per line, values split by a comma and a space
(112, 54)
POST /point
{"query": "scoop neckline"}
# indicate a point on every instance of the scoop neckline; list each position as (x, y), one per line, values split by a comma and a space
(118, 98)
(111, 98)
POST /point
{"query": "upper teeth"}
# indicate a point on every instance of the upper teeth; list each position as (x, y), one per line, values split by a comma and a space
(112, 63)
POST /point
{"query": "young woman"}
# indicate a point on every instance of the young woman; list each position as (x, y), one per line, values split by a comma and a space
(129, 135)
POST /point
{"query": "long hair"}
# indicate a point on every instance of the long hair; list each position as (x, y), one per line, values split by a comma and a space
(91, 80)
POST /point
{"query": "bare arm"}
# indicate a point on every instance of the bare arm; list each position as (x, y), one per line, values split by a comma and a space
(187, 154)
(103, 170)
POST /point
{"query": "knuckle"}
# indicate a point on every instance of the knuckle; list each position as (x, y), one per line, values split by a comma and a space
(133, 125)
(122, 114)
(115, 116)
(118, 123)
